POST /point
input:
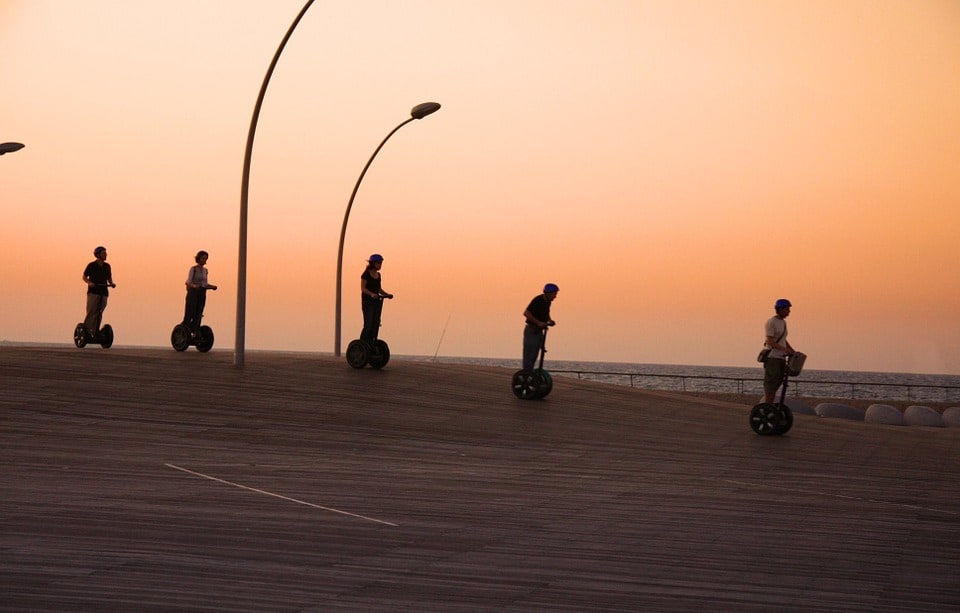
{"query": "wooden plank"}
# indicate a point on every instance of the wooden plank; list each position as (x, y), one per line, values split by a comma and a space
(595, 498)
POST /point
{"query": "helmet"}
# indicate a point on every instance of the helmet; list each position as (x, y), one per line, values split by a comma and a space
(199, 255)
(550, 288)
(99, 249)
(376, 257)
(782, 303)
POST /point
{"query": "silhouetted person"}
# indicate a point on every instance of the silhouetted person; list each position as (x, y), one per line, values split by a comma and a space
(98, 277)
(197, 287)
(371, 299)
(537, 316)
(776, 363)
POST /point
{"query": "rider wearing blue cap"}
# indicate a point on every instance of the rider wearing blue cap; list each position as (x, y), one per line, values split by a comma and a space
(371, 299)
(98, 277)
(538, 319)
(776, 332)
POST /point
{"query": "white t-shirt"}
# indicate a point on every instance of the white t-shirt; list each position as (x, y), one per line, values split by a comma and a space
(197, 276)
(777, 328)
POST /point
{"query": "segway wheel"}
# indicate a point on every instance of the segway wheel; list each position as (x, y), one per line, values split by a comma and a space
(786, 420)
(357, 353)
(765, 418)
(527, 384)
(546, 382)
(180, 337)
(80, 336)
(205, 339)
(380, 355)
(106, 336)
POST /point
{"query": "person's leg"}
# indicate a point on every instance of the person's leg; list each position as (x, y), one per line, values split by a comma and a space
(370, 320)
(532, 340)
(772, 378)
(90, 320)
(201, 304)
(95, 306)
(103, 307)
(189, 308)
(377, 319)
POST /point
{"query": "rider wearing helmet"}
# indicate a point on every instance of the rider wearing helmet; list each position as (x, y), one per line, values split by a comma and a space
(537, 316)
(371, 299)
(776, 340)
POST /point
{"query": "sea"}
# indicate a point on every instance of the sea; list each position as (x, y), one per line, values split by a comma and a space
(739, 380)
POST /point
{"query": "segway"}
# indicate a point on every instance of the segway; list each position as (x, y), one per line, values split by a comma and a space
(533, 384)
(360, 352)
(103, 337)
(183, 336)
(776, 419)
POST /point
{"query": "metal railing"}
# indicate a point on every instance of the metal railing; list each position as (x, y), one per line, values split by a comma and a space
(751, 385)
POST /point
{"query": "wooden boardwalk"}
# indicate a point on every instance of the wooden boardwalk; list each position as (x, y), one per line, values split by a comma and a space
(147, 480)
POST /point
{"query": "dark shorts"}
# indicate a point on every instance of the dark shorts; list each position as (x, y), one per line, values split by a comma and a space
(773, 370)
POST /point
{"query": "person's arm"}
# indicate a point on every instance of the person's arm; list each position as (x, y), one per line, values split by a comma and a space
(207, 284)
(191, 283)
(364, 290)
(533, 320)
(784, 347)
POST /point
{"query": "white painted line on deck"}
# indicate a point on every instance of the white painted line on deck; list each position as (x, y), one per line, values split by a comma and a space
(281, 497)
(816, 493)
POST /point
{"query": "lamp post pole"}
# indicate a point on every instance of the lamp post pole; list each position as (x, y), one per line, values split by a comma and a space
(418, 112)
(238, 353)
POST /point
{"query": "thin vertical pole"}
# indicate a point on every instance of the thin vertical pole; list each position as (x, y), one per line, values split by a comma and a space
(238, 354)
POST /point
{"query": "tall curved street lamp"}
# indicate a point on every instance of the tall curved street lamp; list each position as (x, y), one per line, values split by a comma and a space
(10, 147)
(418, 112)
(238, 354)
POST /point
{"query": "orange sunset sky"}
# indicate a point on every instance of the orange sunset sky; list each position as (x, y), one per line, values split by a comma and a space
(674, 167)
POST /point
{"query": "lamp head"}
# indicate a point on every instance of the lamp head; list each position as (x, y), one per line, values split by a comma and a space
(423, 109)
(11, 147)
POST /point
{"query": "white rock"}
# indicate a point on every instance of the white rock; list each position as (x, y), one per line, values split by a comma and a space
(917, 415)
(884, 414)
(951, 417)
(839, 411)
